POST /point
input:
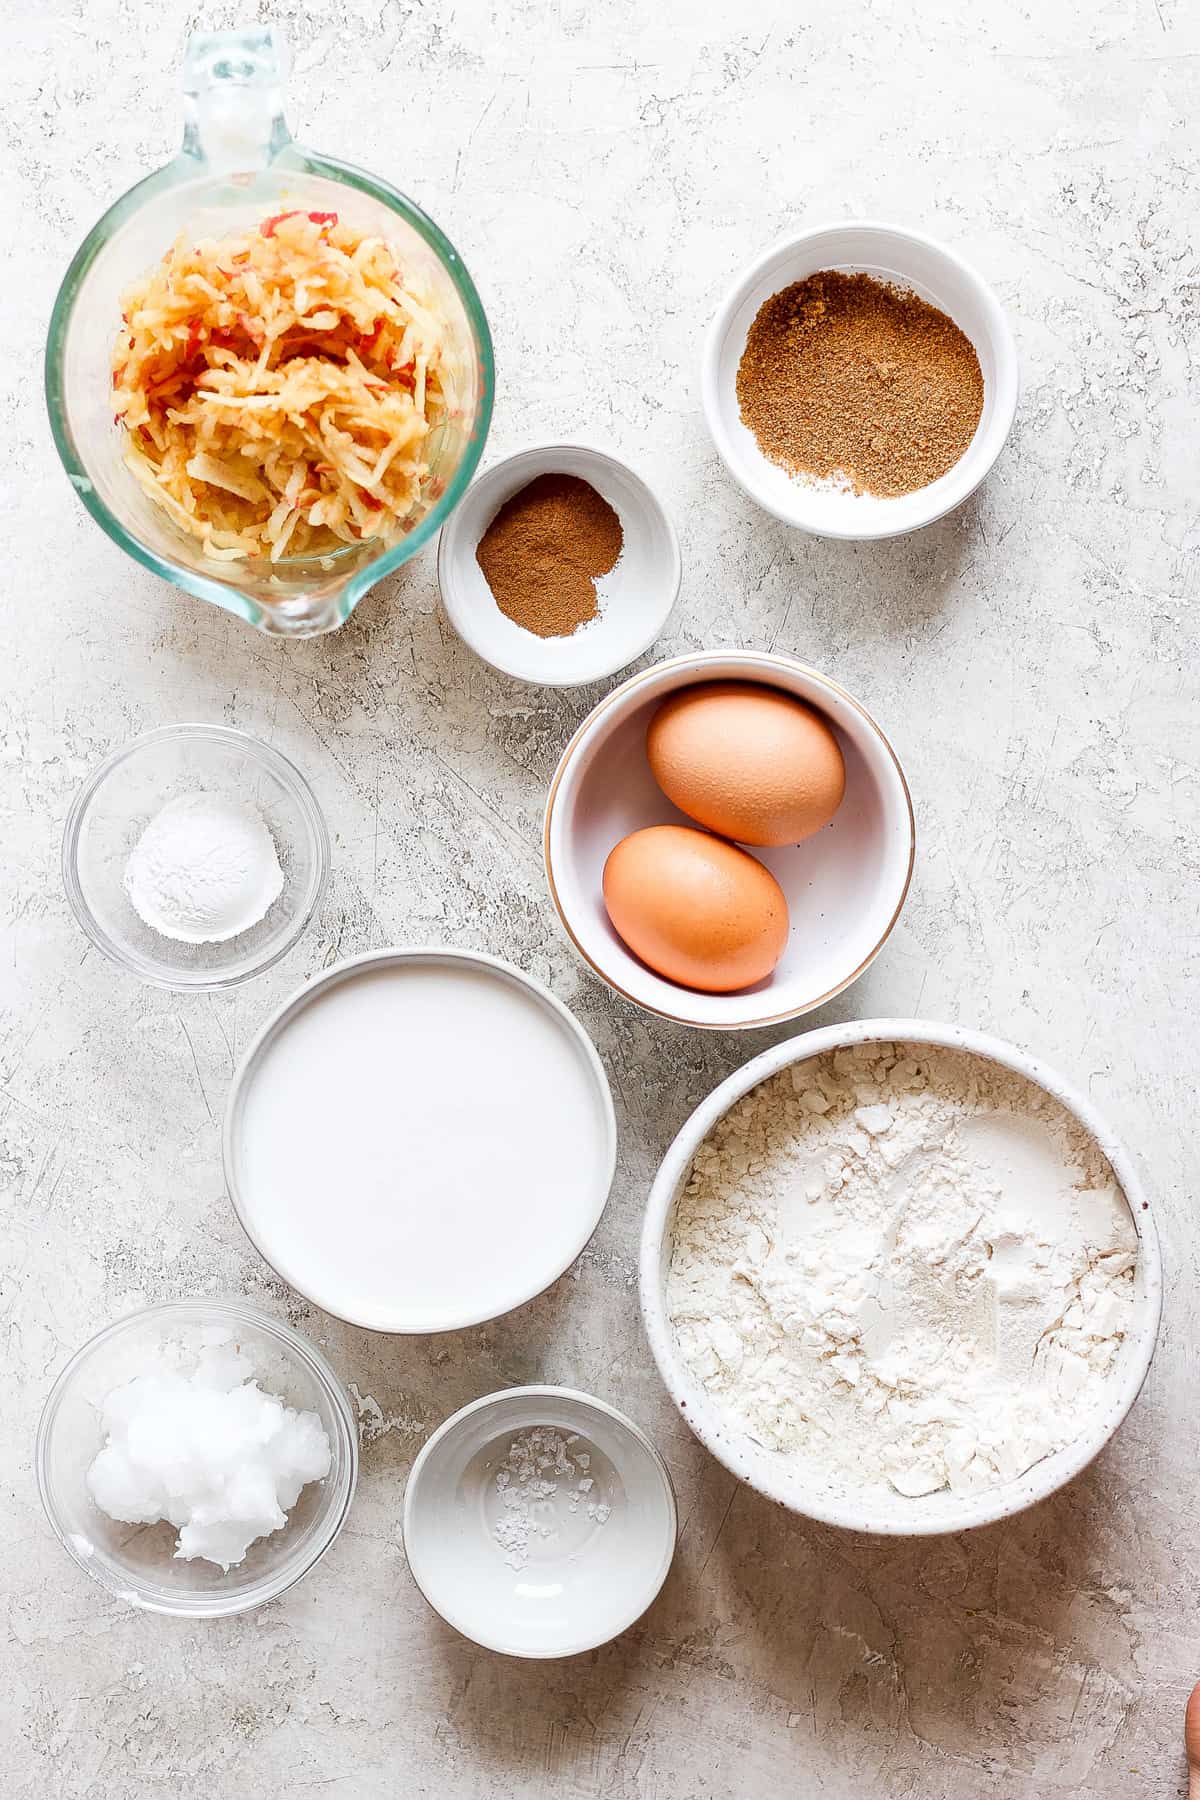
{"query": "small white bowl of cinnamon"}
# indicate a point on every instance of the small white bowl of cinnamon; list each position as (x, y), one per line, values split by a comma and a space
(560, 565)
(859, 380)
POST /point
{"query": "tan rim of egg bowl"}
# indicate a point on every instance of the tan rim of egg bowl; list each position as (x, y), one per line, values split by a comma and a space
(765, 661)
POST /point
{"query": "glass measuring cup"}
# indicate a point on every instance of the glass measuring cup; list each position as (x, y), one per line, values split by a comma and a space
(238, 165)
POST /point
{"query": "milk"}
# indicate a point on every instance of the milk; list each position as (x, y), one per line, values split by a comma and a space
(422, 1144)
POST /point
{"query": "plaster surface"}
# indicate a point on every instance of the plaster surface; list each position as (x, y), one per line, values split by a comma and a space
(605, 170)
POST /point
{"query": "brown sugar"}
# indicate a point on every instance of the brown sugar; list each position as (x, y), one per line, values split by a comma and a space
(845, 378)
(544, 552)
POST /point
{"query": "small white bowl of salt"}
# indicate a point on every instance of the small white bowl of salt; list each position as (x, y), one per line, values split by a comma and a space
(539, 1522)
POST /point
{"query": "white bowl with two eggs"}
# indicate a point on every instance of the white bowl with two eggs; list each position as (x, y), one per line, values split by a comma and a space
(844, 887)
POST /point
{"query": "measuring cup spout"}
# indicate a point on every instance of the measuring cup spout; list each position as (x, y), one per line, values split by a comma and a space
(233, 101)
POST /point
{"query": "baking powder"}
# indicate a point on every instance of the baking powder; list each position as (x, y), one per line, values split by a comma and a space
(904, 1266)
(204, 870)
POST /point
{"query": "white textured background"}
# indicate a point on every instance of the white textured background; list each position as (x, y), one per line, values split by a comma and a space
(606, 167)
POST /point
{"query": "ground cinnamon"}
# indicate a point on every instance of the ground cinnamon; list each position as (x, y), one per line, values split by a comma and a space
(846, 378)
(544, 552)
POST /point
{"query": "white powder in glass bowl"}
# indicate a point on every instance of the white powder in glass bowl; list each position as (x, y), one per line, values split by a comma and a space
(904, 1267)
(204, 870)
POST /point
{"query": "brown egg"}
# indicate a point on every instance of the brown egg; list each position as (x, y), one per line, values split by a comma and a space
(751, 762)
(696, 909)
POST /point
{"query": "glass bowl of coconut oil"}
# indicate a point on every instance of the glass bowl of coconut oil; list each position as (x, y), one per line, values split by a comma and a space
(153, 1565)
(195, 857)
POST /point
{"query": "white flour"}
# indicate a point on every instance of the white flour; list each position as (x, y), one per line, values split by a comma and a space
(204, 870)
(903, 1265)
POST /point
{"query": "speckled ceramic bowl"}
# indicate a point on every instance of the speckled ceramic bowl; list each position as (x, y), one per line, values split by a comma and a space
(798, 1488)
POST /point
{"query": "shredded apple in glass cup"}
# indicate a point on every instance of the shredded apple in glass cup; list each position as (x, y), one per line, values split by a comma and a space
(279, 386)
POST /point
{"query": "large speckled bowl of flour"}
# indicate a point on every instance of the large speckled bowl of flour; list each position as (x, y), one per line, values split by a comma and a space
(900, 1277)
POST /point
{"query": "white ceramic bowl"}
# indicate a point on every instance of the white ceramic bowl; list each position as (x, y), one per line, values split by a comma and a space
(906, 259)
(635, 598)
(844, 887)
(420, 1139)
(802, 1491)
(580, 1581)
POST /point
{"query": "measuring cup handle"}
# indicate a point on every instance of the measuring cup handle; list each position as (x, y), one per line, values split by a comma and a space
(233, 100)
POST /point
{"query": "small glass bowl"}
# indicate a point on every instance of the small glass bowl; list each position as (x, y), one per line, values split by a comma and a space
(136, 1562)
(114, 807)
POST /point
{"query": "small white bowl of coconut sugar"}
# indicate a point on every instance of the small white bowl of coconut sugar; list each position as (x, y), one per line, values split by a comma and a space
(900, 258)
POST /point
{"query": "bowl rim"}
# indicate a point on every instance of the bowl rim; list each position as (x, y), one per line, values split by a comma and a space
(587, 1402)
(225, 593)
(205, 1606)
(986, 455)
(254, 749)
(991, 1504)
(462, 615)
(759, 660)
(295, 1002)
